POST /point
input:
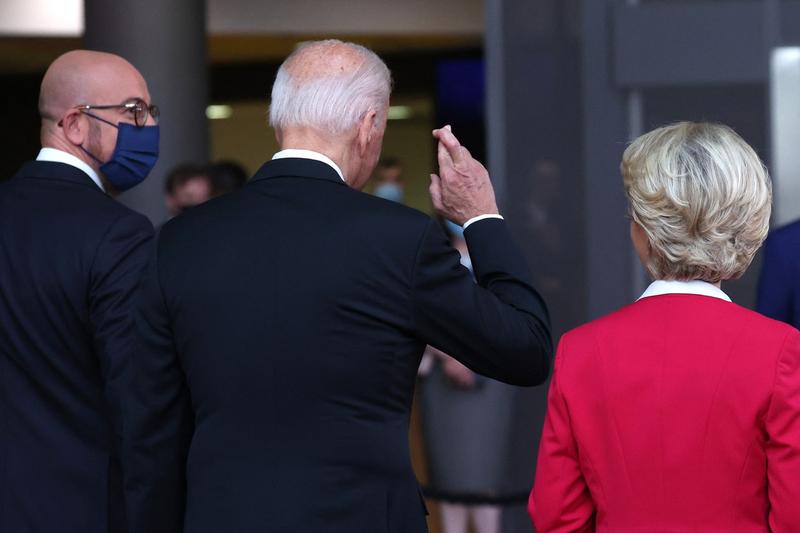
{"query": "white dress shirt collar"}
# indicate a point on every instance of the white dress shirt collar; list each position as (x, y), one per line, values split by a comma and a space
(309, 154)
(58, 156)
(702, 288)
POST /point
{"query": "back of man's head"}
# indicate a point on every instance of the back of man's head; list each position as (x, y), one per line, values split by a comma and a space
(329, 86)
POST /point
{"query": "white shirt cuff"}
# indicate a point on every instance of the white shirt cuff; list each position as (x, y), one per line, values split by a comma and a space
(479, 218)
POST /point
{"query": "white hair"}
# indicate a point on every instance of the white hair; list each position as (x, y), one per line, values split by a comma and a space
(331, 103)
(702, 196)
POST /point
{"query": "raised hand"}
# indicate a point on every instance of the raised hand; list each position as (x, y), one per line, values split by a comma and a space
(462, 190)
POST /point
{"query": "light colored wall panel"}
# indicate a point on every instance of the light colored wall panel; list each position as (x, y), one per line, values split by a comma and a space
(785, 114)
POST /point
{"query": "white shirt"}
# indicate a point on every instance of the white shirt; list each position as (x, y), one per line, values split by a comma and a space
(479, 218)
(58, 156)
(702, 288)
(316, 156)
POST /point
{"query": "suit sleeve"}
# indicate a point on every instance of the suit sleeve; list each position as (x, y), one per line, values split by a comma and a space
(159, 419)
(116, 271)
(783, 444)
(774, 284)
(560, 500)
(498, 327)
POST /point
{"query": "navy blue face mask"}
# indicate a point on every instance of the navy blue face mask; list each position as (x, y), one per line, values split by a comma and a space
(135, 154)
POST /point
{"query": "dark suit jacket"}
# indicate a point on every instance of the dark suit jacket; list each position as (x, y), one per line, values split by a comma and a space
(70, 260)
(282, 328)
(779, 285)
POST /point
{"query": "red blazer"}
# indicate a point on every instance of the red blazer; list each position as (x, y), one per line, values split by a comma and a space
(676, 413)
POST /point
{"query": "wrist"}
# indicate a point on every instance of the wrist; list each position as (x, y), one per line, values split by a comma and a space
(481, 217)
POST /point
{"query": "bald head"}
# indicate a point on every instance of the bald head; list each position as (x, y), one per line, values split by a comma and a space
(324, 59)
(84, 77)
(329, 85)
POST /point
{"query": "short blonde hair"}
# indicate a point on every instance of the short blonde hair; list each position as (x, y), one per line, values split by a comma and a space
(702, 196)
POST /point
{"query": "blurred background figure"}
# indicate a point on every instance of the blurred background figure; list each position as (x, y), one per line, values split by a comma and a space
(227, 176)
(388, 180)
(191, 184)
(466, 422)
(779, 285)
(186, 186)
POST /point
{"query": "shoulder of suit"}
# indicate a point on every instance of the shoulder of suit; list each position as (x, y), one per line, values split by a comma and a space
(764, 325)
(199, 217)
(372, 208)
(390, 208)
(628, 316)
(119, 213)
(608, 321)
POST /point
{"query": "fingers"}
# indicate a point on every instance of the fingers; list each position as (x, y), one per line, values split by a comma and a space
(465, 155)
(436, 192)
(451, 144)
(443, 156)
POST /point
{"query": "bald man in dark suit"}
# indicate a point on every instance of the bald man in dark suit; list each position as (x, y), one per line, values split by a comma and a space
(70, 260)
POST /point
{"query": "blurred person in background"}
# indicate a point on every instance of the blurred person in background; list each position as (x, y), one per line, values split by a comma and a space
(467, 426)
(681, 411)
(779, 284)
(282, 325)
(388, 182)
(187, 186)
(70, 260)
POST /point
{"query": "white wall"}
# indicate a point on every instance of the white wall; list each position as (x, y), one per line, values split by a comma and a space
(56, 18)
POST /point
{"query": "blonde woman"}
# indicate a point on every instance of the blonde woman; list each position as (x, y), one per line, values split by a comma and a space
(680, 412)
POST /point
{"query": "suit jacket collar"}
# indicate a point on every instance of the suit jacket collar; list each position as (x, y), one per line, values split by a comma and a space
(51, 170)
(298, 168)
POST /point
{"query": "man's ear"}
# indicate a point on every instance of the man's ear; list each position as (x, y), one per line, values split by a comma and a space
(75, 126)
(366, 130)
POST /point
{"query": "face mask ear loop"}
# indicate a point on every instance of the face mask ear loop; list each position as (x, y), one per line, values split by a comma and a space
(87, 152)
(101, 119)
(90, 154)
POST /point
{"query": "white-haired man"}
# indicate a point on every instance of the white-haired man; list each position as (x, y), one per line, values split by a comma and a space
(282, 325)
